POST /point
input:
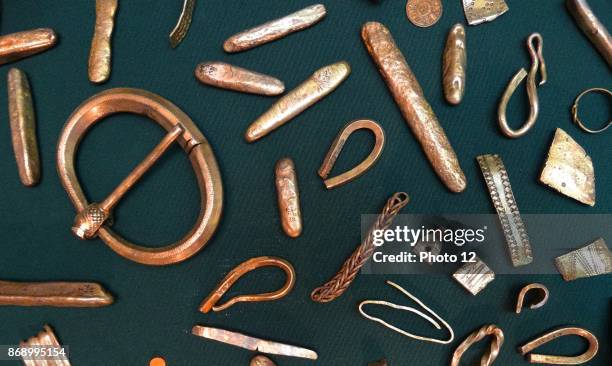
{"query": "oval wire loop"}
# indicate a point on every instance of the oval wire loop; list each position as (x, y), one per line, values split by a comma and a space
(537, 63)
(242, 269)
(412, 310)
(338, 144)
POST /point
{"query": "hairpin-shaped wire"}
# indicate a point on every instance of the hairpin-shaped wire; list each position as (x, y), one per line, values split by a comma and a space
(412, 310)
(234, 275)
(542, 291)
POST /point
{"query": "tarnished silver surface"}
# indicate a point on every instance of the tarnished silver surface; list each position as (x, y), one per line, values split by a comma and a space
(474, 276)
(498, 183)
(411, 101)
(591, 27)
(100, 54)
(275, 29)
(480, 11)
(23, 127)
(592, 260)
(321, 83)
(226, 76)
(454, 65)
(252, 343)
(569, 169)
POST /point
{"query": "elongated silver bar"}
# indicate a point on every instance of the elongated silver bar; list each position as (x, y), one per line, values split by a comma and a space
(498, 184)
(288, 195)
(411, 101)
(16, 46)
(592, 260)
(275, 29)
(55, 294)
(474, 276)
(592, 27)
(454, 65)
(100, 54)
(23, 127)
(252, 343)
(226, 76)
(321, 83)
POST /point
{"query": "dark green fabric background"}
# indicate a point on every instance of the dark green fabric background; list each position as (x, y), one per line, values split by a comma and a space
(155, 308)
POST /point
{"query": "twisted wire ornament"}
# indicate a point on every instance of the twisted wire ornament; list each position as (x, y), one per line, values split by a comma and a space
(488, 357)
(349, 270)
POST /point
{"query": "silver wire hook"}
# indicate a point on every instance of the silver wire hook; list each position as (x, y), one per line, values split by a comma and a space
(537, 63)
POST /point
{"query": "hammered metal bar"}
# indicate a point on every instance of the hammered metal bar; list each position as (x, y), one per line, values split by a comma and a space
(454, 65)
(481, 11)
(474, 276)
(288, 196)
(569, 170)
(412, 103)
(226, 76)
(561, 360)
(100, 52)
(321, 83)
(56, 294)
(498, 183)
(182, 26)
(45, 339)
(23, 127)
(592, 260)
(591, 27)
(252, 343)
(275, 29)
(16, 46)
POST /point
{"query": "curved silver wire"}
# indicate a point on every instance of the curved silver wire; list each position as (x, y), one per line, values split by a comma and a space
(412, 310)
(537, 63)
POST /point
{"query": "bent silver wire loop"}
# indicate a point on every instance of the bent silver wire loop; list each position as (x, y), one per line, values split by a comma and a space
(537, 63)
(412, 310)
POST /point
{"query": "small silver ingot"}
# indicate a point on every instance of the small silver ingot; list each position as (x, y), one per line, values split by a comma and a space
(498, 183)
(474, 276)
(592, 260)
